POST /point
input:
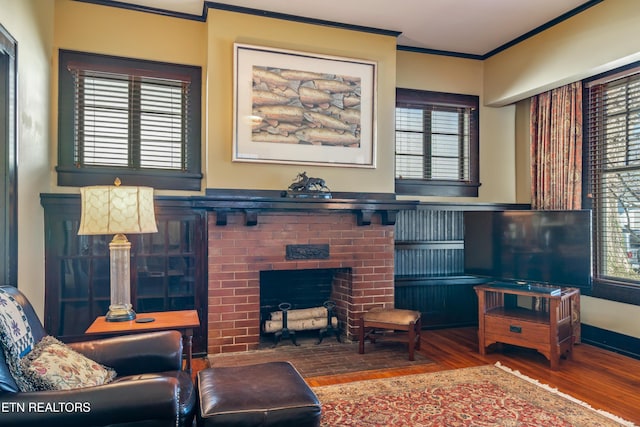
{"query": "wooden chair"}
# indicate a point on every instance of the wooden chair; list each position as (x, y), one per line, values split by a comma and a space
(393, 319)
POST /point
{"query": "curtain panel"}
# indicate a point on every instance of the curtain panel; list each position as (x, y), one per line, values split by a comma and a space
(556, 148)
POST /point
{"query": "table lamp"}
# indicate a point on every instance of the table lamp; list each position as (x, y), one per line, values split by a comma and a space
(116, 209)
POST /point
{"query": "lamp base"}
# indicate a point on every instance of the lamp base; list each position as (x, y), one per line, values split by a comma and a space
(120, 315)
(120, 309)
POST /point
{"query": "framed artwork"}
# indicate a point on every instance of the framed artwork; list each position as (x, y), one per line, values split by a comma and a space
(301, 108)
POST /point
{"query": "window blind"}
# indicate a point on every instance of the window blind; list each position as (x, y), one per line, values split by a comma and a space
(613, 133)
(132, 121)
(432, 143)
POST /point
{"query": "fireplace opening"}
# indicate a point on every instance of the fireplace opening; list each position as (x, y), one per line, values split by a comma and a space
(303, 288)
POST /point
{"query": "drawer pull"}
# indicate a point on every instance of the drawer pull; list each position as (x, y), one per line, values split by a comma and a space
(516, 329)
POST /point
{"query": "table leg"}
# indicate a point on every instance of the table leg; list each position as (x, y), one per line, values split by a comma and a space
(188, 344)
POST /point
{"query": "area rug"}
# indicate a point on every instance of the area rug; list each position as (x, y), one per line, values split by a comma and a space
(328, 358)
(475, 397)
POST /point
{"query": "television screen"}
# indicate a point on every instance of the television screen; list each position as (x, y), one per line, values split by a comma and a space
(551, 247)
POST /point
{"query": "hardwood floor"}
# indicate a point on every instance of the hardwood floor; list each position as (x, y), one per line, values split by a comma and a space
(606, 380)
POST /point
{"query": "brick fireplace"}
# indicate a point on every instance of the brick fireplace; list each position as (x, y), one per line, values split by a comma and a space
(361, 246)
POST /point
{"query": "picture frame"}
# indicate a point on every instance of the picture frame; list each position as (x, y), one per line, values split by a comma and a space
(295, 107)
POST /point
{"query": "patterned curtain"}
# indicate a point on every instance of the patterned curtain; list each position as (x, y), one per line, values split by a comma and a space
(556, 148)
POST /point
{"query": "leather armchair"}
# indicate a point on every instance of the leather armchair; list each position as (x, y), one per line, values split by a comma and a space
(150, 389)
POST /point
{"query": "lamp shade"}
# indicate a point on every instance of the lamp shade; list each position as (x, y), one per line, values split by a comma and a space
(109, 209)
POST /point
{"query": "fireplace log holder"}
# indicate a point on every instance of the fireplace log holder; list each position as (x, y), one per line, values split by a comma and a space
(284, 332)
(329, 329)
(304, 319)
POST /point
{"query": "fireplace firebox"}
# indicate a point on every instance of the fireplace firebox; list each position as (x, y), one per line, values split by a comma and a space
(303, 288)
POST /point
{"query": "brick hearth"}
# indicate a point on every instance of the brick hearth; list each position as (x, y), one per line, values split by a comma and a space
(238, 252)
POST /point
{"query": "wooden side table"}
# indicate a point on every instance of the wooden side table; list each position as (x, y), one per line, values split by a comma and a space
(548, 326)
(184, 321)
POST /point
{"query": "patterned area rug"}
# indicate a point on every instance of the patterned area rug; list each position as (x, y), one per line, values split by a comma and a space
(328, 358)
(480, 396)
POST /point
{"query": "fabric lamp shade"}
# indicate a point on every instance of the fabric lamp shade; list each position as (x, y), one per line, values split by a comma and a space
(108, 209)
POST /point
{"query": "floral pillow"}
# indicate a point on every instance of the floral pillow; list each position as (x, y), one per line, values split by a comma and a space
(16, 338)
(52, 365)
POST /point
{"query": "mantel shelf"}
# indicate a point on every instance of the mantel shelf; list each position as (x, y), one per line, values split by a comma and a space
(256, 202)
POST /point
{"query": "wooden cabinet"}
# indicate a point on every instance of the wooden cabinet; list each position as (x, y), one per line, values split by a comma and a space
(445, 302)
(167, 268)
(526, 317)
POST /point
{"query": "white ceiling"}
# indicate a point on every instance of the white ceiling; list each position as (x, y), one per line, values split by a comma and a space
(471, 27)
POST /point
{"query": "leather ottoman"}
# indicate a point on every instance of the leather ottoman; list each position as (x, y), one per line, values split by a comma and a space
(267, 395)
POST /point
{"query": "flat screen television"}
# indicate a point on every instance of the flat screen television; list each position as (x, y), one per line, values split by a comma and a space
(549, 247)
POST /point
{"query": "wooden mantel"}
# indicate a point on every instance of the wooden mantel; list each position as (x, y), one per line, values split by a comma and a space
(254, 202)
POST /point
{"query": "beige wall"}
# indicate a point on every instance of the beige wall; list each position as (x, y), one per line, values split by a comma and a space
(610, 315)
(30, 23)
(601, 38)
(523, 155)
(114, 31)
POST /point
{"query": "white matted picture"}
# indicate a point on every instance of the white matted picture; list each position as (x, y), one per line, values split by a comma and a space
(301, 108)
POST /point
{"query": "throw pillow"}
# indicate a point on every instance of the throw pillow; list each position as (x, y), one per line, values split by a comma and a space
(52, 365)
(15, 336)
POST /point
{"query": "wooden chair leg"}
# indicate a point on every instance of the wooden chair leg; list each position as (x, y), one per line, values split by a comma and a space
(412, 341)
(361, 336)
(418, 329)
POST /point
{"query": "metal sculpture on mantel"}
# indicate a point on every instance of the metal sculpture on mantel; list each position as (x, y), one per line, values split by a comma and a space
(305, 186)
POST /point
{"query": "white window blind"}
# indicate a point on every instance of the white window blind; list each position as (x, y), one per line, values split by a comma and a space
(130, 121)
(614, 160)
(432, 143)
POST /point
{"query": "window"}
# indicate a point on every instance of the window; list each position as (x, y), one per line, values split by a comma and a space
(127, 118)
(436, 144)
(613, 137)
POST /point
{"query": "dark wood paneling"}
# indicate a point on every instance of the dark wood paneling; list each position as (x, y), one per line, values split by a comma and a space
(429, 242)
(612, 341)
(444, 302)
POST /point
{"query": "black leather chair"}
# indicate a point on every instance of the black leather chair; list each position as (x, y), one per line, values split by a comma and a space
(150, 390)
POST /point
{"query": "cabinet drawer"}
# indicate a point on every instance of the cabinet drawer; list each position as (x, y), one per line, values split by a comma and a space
(514, 331)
